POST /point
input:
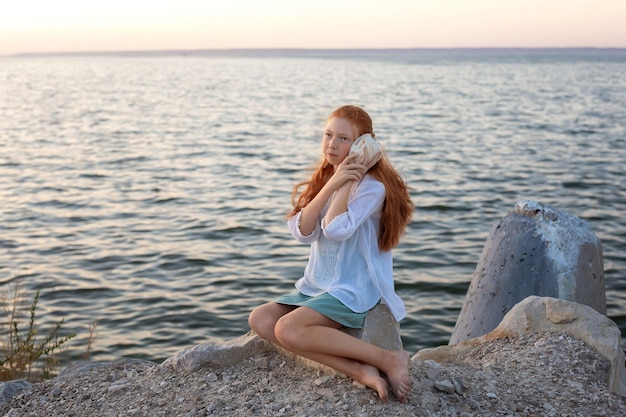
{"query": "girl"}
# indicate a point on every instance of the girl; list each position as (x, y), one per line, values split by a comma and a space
(352, 216)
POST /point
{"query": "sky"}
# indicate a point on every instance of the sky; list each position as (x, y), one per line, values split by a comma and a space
(31, 26)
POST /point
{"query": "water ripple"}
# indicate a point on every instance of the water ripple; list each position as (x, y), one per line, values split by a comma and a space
(149, 194)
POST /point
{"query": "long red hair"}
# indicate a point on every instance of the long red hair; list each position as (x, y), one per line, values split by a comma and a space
(397, 208)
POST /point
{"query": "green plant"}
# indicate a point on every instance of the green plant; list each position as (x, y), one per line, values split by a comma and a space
(22, 351)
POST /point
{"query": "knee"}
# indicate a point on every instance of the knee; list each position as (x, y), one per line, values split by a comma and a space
(288, 334)
(261, 324)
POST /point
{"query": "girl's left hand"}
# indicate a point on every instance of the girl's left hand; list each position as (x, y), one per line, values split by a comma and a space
(348, 170)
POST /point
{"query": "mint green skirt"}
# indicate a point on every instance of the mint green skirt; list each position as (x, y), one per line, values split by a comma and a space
(326, 305)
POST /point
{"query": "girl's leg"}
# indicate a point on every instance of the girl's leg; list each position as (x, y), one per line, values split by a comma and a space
(308, 333)
(364, 373)
(263, 318)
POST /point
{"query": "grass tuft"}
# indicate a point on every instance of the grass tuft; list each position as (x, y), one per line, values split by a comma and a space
(24, 355)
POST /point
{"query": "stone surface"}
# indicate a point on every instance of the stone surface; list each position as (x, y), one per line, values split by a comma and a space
(216, 355)
(533, 250)
(535, 374)
(12, 388)
(544, 314)
(380, 329)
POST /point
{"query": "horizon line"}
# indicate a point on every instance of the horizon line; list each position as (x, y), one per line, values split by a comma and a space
(305, 49)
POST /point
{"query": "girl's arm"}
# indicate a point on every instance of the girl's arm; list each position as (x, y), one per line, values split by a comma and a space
(367, 199)
(311, 213)
(340, 202)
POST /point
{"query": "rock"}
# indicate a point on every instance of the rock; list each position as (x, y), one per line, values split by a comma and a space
(544, 314)
(212, 356)
(537, 314)
(445, 386)
(534, 250)
(380, 329)
(11, 388)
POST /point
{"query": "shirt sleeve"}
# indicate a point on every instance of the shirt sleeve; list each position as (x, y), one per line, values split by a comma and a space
(366, 200)
(294, 227)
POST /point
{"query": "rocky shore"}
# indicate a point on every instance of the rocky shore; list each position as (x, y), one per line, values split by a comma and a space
(547, 358)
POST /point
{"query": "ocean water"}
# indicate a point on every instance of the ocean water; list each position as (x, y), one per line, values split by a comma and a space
(148, 192)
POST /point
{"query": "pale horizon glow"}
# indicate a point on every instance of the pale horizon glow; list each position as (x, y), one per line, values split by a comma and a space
(37, 26)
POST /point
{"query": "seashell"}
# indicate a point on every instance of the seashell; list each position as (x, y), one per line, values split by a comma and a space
(368, 150)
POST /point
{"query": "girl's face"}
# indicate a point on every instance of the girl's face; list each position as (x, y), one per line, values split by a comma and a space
(339, 135)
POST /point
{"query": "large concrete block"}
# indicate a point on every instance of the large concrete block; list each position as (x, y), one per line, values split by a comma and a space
(534, 250)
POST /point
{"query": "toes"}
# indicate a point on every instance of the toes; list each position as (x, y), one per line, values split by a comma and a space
(402, 390)
(384, 396)
(401, 396)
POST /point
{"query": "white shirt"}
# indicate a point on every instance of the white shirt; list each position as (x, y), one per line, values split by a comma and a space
(345, 260)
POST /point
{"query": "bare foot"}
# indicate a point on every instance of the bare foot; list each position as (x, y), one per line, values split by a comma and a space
(398, 374)
(370, 376)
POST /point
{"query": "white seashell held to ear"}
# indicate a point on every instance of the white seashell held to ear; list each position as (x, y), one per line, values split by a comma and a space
(368, 150)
